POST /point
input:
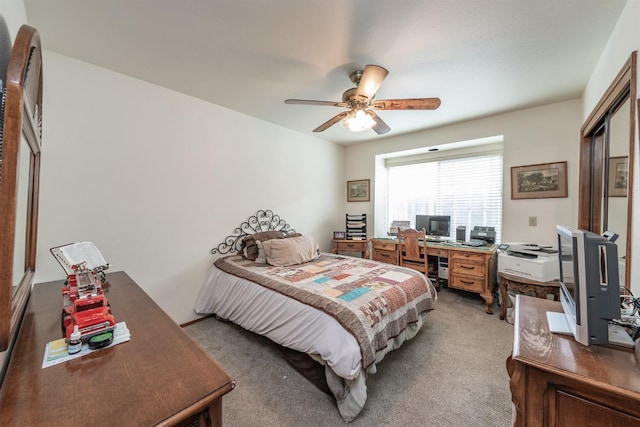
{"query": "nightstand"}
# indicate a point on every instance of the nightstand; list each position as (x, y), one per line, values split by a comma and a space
(361, 246)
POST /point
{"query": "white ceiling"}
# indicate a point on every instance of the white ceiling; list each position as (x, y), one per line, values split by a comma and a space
(481, 57)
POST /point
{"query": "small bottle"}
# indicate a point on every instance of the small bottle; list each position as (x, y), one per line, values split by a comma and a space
(74, 344)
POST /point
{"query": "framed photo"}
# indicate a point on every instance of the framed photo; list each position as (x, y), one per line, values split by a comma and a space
(339, 235)
(618, 176)
(540, 181)
(358, 191)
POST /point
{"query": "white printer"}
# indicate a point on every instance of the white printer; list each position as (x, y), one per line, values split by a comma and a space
(529, 261)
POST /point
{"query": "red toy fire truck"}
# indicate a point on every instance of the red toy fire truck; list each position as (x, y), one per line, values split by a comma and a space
(84, 304)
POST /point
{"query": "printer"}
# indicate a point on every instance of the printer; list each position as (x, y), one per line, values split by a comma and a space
(529, 261)
(488, 234)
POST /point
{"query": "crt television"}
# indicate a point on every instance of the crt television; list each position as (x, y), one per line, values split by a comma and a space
(435, 225)
(589, 283)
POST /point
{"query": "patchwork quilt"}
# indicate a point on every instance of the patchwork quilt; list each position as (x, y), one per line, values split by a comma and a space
(374, 301)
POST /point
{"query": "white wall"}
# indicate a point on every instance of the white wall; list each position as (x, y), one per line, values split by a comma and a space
(14, 15)
(624, 39)
(537, 135)
(156, 178)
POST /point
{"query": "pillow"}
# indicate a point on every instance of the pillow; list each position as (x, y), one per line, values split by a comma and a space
(250, 250)
(291, 251)
(261, 259)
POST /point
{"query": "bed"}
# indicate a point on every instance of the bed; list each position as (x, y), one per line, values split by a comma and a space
(345, 313)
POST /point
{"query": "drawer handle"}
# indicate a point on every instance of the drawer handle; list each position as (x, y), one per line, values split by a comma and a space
(467, 283)
(351, 245)
(386, 255)
(467, 267)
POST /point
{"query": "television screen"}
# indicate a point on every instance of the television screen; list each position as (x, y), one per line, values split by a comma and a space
(567, 254)
(589, 286)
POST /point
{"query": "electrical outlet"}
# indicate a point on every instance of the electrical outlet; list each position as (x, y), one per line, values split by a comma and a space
(533, 221)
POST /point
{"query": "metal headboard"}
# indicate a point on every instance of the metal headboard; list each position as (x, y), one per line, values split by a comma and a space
(263, 220)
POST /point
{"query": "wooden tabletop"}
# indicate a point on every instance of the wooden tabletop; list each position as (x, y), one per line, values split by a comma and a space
(158, 377)
(535, 345)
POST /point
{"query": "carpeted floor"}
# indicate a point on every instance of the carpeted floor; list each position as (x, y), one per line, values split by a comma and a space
(451, 374)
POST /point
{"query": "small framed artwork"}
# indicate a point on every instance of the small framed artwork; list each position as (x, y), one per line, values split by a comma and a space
(339, 235)
(618, 176)
(539, 181)
(358, 191)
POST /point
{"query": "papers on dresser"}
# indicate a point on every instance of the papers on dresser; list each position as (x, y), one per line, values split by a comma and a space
(55, 352)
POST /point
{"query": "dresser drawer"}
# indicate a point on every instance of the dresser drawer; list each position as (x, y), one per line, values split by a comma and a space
(390, 257)
(468, 256)
(466, 283)
(467, 268)
(384, 245)
(437, 252)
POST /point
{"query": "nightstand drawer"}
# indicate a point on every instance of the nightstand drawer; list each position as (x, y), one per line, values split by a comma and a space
(355, 246)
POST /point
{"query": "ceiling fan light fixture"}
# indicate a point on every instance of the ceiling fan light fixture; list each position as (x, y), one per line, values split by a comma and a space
(358, 121)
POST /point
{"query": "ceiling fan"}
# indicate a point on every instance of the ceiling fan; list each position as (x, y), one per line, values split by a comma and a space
(361, 104)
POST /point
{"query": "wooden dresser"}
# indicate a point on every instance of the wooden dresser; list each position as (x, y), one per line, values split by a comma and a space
(159, 377)
(555, 381)
(469, 269)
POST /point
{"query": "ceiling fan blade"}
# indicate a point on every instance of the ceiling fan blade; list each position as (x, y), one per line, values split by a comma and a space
(407, 104)
(332, 121)
(311, 102)
(380, 127)
(371, 80)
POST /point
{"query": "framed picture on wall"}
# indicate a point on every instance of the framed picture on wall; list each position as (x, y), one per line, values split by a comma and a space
(358, 191)
(618, 176)
(539, 181)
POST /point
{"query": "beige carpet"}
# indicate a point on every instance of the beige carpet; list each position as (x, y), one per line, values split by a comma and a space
(452, 374)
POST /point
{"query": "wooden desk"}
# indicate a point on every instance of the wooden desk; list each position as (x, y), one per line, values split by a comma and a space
(470, 269)
(160, 377)
(361, 246)
(522, 285)
(556, 381)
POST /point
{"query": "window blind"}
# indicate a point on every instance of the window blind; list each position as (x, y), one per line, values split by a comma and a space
(467, 189)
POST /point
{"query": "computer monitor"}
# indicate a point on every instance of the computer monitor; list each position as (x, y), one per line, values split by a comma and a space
(422, 222)
(434, 225)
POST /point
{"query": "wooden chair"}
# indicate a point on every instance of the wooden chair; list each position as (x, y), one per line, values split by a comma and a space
(410, 242)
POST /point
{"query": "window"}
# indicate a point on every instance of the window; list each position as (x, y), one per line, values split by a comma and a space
(468, 189)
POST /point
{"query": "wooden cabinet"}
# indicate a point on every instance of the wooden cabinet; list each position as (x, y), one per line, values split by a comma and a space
(555, 381)
(467, 271)
(385, 251)
(361, 246)
(159, 377)
(473, 270)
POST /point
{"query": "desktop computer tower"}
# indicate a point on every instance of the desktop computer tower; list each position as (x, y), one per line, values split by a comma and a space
(443, 268)
(461, 233)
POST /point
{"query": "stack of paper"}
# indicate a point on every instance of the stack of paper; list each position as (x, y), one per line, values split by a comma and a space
(55, 352)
